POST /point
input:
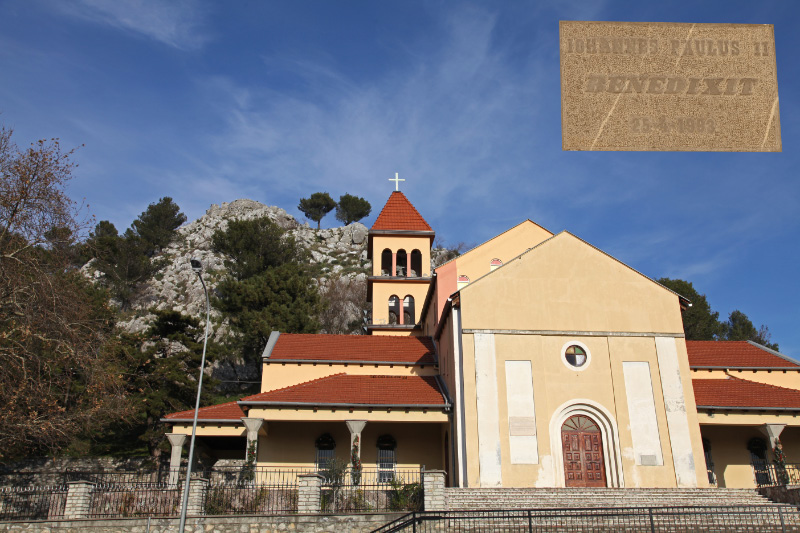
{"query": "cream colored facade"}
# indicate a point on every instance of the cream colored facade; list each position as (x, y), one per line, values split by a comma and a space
(560, 293)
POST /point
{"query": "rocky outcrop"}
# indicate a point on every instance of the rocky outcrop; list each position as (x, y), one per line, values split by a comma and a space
(175, 286)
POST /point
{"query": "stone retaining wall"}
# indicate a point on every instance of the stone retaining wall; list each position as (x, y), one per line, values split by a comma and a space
(353, 523)
(786, 494)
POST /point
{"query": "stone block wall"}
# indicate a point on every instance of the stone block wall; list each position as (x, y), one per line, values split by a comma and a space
(355, 523)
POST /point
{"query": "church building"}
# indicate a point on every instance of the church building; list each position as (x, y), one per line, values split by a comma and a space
(532, 360)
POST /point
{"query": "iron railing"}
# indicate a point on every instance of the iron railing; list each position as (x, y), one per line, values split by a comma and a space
(32, 503)
(371, 489)
(772, 475)
(653, 519)
(233, 490)
(256, 490)
(134, 499)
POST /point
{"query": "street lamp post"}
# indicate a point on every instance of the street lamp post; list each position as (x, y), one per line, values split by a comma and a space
(197, 266)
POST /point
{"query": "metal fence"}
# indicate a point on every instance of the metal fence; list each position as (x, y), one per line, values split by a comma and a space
(234, 490)
(32, 503)
(371, 489)
(664, 519)
(771, 475)
(134, 499)
(257, 490)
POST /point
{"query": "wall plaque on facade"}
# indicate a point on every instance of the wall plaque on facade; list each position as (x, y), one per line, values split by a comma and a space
(669, 86)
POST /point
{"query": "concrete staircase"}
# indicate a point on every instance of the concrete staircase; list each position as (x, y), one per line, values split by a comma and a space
(572, 498)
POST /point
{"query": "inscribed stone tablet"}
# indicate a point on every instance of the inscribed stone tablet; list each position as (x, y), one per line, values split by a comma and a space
(669, 86)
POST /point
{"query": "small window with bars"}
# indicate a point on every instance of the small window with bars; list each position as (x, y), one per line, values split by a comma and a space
(387, 458)
(326, 450)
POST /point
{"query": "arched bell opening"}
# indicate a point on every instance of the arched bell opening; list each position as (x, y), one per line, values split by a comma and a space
(386, 262)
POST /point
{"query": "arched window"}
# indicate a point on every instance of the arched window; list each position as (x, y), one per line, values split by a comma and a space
(326, 450)
(494, 263)
(402, 260)
(394, 310)
(408, 310)
(386, 262)
(416, 264)
(387, 458)
(463, 281)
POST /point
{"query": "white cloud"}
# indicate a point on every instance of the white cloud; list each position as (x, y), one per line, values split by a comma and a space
(177, 23)
(461, 112)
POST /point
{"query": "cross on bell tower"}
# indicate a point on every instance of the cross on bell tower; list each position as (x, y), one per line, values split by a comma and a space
(397, 179)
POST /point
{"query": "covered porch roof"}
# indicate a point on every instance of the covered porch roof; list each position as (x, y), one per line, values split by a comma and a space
(737, 394)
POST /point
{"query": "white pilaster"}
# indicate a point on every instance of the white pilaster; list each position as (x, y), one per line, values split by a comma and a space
(675, 405)
(489, 449)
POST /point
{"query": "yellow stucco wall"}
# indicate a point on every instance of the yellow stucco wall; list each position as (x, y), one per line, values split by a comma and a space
(567, 285)
(381, 291)
(506, 246)
(346, 413)
(211, 430)
(554, 385)
(279, 375)
(748, 418)
(781, 378)
(292, 443)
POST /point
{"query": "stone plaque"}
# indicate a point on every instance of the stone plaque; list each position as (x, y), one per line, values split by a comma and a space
(669, 86)
(521, 426)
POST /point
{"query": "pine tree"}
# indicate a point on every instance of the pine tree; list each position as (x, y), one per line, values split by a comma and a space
(317, 206)
(352, 209)
(156, 226)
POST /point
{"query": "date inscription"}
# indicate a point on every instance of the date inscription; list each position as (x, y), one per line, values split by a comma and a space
(646, 86)
(644, 125)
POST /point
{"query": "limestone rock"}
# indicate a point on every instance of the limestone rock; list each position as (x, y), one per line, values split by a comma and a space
(342, 251)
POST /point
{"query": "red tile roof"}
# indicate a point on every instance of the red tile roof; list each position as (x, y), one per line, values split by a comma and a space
(740, 393)
(358, 390)
(399, 215)
(223, 411)
(356, 348)
(734, 354)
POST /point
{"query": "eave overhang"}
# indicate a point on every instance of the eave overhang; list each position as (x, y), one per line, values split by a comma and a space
(321, 405)
(365, 362)
(749, 368)
(200, 421)
(736, 408)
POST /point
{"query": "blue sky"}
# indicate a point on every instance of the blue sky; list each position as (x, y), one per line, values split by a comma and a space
(209, 102)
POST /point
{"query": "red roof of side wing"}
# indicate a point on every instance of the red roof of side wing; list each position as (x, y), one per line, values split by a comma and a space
(223, 411)
(740, 393)
(355, 348)
(399, 215)
(735, 354)
(345, 389)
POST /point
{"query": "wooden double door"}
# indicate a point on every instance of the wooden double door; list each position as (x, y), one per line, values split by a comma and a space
(582, 444)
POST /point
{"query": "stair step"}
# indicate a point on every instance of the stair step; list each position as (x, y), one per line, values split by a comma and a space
(554, 498)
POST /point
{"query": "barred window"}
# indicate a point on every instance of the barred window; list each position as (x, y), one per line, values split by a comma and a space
(387, 458)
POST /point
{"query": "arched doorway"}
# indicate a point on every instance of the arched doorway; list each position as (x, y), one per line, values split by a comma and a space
(582, 445)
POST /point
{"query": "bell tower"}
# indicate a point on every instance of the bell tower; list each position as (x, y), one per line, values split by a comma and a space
(400, 249)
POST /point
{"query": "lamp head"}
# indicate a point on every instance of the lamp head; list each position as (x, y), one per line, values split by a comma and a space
(197, 266)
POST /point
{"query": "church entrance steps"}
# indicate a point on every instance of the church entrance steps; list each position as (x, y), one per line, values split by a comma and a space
(684, 519)
(521, 498)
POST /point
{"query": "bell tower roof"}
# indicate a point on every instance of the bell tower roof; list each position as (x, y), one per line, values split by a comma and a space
(399, 215)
